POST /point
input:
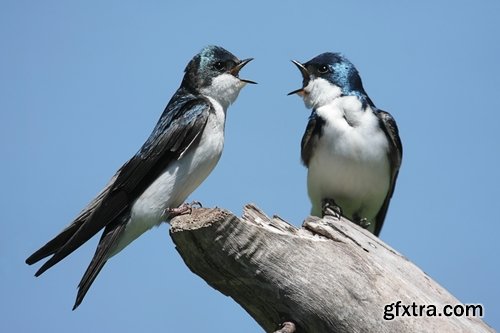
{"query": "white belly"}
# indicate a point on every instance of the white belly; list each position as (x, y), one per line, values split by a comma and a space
(177, 182)
(350, 164)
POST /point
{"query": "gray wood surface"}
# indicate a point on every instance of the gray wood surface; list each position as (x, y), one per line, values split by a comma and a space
(328, 276)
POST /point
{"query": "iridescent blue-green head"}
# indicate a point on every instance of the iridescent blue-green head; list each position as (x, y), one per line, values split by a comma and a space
(328, 76)
(215, 72)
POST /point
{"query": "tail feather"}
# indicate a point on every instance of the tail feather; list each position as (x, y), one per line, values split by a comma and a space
(106, 244)
(55, 244)
(85, 229)
(59, 241)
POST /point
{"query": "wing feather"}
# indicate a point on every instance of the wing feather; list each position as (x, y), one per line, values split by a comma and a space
(313, 132)
(181, 123)
(390, 127)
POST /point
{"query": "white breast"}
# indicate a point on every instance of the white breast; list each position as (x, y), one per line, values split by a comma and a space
(178, 181)
(183, 176)
(350, 163)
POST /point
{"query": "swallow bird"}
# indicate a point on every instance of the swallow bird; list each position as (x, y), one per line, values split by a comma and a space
(351, 148)
(180, 153)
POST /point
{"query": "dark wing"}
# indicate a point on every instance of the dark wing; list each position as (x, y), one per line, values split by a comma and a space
(390, 128)
(313, 132)
(109, 237)
(172, 136)
(182, 121)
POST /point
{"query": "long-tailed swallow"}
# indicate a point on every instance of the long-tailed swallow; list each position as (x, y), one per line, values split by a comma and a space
(351, 148)
(180, 153)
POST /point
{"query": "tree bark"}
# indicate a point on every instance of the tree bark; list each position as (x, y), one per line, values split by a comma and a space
(328, 276)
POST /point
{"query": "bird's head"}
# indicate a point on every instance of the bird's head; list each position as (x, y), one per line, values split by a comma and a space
(214, 72)
(326, 77)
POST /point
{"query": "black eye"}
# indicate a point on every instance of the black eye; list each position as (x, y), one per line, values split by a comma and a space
(219, 65)
(322, 69)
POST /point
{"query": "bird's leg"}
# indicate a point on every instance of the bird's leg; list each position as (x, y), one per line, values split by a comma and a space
(185, 208)
(329, 207)
(287, 327)
(364, 223)
(361, 221)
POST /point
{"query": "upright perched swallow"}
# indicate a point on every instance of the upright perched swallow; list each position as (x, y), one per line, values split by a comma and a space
(180, 153)
(352, 149)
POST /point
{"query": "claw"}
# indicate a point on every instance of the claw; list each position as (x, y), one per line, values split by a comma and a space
(196, 203)
(361, 221)
(331, 208)
(364, 223)
(185, 208)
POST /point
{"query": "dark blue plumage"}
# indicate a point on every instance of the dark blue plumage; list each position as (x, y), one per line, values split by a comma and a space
(178, 155)
(351, 148)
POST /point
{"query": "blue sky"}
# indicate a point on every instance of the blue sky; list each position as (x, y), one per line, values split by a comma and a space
(83, 83)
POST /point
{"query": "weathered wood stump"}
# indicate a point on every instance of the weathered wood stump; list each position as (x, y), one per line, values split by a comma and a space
(328, 276)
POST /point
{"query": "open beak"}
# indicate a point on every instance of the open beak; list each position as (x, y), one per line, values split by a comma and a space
(306, 77)
(236, 70)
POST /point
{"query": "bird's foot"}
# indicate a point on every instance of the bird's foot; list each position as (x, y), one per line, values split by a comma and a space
(329, 207)
(362, 222)
(287, 327)
(185, 208)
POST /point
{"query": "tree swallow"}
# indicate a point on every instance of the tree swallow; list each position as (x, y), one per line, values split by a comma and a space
(352, 149)
(180, 153)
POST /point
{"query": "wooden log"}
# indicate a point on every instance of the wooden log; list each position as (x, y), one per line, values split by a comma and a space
(328, 276)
